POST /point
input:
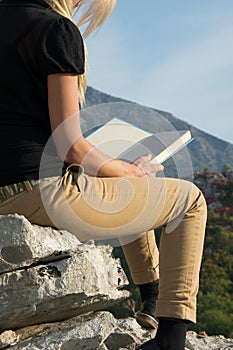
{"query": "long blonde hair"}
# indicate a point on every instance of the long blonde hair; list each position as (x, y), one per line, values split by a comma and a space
(92, 15)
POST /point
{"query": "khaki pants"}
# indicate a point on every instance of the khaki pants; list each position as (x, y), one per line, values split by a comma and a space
(129, 208)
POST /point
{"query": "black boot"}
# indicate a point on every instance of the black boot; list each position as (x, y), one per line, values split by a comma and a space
(149, 345)
(170, 335)
(149, 295)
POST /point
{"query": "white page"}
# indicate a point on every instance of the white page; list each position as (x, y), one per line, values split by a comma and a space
(116, 136)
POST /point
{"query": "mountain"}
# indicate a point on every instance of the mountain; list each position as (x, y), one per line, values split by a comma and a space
(206, 151)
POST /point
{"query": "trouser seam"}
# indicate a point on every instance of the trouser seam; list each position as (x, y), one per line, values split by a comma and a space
(150, 253)
(190, 274)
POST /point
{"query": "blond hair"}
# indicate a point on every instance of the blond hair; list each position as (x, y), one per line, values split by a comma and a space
(92, 15)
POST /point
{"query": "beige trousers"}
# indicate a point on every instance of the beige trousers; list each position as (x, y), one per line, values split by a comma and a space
(130, 208)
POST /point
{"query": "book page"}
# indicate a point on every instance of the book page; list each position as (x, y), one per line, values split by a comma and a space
(116, 136)
(119, 139)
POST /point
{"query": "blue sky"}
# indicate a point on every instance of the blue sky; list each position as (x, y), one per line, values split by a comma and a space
(171, 55)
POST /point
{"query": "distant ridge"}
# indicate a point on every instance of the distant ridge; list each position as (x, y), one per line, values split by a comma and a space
(206, 151)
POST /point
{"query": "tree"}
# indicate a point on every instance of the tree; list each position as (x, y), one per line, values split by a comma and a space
(226, 168)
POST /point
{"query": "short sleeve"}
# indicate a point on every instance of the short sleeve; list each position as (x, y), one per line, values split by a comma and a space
(61, 49)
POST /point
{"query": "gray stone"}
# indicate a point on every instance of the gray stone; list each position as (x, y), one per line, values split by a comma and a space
(122, 340)
(101, 331)
(196, 342)
(22, 244)
(98, 330)
(129, 326)
(85, 332)
(59, 291)
(8, 338)
(89, 279)
(102, 347)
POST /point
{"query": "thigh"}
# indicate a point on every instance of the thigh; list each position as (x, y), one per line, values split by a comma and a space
(29, 205)
(100, 208)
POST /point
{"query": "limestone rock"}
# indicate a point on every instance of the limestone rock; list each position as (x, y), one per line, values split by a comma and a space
(85, 282)
(101, 331)
(83, 332)
(127, 334)
(22, 243)
(88, 279)
(98, 330)
(196, 342)
(8, 338)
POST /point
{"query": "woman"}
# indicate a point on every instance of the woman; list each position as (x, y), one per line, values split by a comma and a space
(42, 66)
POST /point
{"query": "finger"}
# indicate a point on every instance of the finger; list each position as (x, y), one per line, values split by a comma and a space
(153, 169)
(158, 167)
(145, 158)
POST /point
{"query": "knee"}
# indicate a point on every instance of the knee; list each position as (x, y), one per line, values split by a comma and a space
(195, 199)
(199, 202)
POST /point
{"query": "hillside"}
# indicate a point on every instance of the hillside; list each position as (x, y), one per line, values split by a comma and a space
(205, 151)
(215, 304)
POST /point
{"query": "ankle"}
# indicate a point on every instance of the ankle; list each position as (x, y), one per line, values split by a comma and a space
(171, 334)
(149, 290)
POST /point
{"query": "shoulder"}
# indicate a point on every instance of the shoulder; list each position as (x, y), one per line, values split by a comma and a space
(54, 29)
(54, 21)
(65, 26)
(62, 32)
(60, 48)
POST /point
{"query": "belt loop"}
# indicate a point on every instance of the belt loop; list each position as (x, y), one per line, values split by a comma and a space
(28, 186)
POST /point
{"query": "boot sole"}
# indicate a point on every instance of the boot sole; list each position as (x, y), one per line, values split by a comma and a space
(146, 321)
(149, 345)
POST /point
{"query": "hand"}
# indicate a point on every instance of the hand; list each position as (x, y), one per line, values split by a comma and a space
(146, 167)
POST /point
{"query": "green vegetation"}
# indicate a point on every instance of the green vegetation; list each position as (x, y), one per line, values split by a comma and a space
(206, 171)
(215, 302)
(227, 193)
(226, 167)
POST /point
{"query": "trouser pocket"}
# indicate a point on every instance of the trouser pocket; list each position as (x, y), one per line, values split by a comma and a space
(74, 177)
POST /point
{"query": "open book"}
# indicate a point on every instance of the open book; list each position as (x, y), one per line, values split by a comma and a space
(120, 139)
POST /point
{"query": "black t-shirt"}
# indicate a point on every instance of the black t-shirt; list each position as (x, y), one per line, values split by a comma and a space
(35, 41)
